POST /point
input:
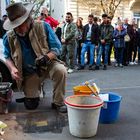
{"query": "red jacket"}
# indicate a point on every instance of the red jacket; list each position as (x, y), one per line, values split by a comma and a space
(53, 23)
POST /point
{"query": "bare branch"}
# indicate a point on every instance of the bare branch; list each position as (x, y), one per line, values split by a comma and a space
(102, 5)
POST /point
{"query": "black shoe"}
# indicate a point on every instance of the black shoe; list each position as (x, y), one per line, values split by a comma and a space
(125, 64)
(97, 67)
(90, 67)
(31, 103)
(61, 109)
(105, 67)
(80, 68)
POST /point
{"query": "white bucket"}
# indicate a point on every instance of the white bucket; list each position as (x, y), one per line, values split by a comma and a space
(83, 115)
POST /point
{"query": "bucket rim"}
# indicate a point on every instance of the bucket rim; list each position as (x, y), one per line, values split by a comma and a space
(84, 106)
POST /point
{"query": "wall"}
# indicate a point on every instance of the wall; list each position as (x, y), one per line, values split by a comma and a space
(58, 9)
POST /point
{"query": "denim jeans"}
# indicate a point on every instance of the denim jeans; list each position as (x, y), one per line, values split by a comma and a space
(87, 46)
(101, 49)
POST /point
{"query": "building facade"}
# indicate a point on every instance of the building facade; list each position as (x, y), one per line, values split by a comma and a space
(58, 8)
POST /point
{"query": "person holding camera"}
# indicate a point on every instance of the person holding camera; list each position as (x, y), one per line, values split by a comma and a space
(45, 16)
(31, 49)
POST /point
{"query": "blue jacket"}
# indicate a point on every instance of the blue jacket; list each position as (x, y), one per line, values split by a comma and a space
(119, 38)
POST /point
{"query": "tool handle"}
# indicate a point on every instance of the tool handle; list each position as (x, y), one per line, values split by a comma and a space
(90, 87)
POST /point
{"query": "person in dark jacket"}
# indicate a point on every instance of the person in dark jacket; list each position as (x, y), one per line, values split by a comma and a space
(105, 38)
(138, 44)
(128, 43)
(133, 48)
(90, 39)
(2, 31)
(119, 43)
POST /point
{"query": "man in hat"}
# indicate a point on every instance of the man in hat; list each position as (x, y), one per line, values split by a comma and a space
(31, 49)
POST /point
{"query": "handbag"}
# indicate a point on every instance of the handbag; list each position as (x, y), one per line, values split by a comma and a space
(126, 38)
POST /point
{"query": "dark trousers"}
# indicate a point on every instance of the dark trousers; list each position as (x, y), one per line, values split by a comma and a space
(126, 53)
(109, 53)
(79, 51)
(133, 52)
(119, 55)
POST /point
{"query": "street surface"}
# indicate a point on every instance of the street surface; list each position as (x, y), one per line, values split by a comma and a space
(47, 124)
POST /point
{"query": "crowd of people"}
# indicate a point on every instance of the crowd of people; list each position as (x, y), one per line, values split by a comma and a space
(38, 49)
(96, 41)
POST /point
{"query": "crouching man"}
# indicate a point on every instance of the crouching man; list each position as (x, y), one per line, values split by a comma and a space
(31, 49)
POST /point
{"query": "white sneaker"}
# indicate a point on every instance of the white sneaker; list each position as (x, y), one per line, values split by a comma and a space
(131, 63)
(70, 70)
(116, 65)
(121, 65)
(135, 63)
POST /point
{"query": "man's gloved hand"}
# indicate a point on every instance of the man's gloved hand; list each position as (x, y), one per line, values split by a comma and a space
(43, 60)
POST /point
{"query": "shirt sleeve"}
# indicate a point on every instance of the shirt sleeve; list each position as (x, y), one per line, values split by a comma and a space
(6, 48)
(53, 41)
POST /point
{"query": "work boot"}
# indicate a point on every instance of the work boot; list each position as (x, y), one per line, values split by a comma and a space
(59, 108)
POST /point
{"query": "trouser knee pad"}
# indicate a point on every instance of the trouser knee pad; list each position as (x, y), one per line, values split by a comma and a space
(31, 103)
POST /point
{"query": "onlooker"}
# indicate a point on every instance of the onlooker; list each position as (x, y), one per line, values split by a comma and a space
(119, 43)
(133, 48)
(58, 31)
(105, 38)
(111, 43)
(68, 42)
(79, 33)
(128, 38)
(138, 45)
(2, 31)
(31, 49)
(90, 41)
(4, 17)
(95, 21)
(45, 16)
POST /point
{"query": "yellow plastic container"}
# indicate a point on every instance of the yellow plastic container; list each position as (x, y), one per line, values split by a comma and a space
(82, 90)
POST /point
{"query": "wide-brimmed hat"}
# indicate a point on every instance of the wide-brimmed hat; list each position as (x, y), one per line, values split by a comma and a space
(17, 14)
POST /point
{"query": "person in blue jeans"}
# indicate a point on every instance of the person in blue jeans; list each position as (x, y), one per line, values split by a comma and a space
(105, 37)
(90, 39)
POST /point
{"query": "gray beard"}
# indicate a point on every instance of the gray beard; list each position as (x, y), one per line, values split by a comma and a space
(22, 34)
